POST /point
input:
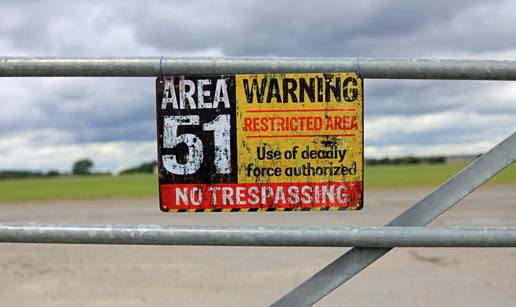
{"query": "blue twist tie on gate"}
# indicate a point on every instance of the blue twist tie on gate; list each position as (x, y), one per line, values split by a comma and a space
(161, 69)
(358, 67)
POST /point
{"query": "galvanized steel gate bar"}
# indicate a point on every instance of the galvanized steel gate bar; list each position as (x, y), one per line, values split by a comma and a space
(258, 236)
(422, 213)
(351, 263)
(150, 67)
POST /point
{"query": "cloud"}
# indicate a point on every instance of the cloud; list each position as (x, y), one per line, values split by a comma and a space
(434, 128)
(47, 120)
(52, 149)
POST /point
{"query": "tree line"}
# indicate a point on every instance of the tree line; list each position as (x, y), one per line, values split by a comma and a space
(83, 167)
(406, 160)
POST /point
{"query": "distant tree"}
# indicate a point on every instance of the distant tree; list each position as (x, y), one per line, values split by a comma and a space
(19, 174)
(438, 159)
(52, 173)
(82, 167)
(406, 160)
(142, 168)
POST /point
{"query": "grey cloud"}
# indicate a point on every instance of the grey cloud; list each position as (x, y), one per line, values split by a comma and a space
(325, 28)
(241, 28)
(110, 109)
(387, 97)
(88, 109)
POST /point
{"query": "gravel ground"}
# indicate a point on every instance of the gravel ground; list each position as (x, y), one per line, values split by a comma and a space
(93, 275)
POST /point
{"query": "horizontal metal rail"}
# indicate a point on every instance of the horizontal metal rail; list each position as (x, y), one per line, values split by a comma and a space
(420, 214)
(259, 236)
(150, 66)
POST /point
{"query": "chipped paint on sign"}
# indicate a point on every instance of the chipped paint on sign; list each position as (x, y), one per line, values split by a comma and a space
(260, 142)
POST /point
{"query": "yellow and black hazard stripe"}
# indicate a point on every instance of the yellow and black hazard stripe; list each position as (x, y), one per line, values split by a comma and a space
(266, 209)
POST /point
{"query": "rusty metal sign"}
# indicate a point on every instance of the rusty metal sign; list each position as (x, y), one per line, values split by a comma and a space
(265, 142)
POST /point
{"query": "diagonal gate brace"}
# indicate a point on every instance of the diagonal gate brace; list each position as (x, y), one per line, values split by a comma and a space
(422, 213)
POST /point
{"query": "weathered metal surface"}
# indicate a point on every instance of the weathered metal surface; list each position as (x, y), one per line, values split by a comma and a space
(422, 213)
(258, 236)
(260, 142)
(150, 67)
(357, 259)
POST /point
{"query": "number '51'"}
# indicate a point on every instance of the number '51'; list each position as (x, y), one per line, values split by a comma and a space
(220, 127)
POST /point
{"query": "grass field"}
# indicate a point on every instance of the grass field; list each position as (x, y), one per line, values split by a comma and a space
(413, 176)
(376, 177)
(78, 187)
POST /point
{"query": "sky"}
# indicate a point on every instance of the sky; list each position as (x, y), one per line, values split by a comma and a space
(48, 123)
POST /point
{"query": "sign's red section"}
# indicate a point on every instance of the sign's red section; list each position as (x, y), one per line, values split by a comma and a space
(253, 196)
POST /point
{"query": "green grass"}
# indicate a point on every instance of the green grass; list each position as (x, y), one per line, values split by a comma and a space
(78, 187)
(421, 175)
(376, 177)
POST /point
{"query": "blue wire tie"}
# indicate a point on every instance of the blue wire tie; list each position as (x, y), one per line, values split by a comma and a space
(161, 69)
(358, 67)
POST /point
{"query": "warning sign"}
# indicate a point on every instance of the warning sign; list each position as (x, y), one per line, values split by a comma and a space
(260, 142)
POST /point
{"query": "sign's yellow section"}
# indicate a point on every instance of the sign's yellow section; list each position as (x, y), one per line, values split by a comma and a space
(295, 128)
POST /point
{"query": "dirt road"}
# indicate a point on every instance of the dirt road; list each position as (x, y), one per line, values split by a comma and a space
(73, 275)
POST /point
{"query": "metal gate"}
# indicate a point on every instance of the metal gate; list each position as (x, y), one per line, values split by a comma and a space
(370, 243)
